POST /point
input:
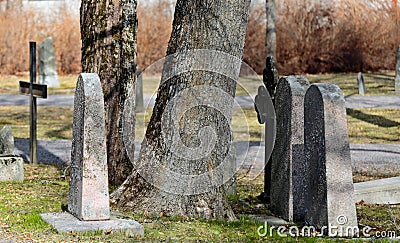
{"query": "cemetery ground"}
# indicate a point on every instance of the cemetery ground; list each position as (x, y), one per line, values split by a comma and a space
(45, 188)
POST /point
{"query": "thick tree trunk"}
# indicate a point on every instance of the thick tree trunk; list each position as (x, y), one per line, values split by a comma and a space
(185, 153)
(270, 44)
(108, 30)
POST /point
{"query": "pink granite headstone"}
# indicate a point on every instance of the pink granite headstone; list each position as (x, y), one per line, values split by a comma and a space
(88, 193)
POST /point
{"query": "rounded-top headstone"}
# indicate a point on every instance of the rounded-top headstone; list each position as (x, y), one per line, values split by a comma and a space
(330, 201)
(47, 64)
(288, 162)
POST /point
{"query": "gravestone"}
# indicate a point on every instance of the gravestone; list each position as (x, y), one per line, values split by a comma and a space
(88, 199)
(11, 167)
(47, 64)
(139, 91)
(263, 107)
(361, 84)
(288, 161)
(397, 79)
(330, 200)
(6, 141)
(88, 193)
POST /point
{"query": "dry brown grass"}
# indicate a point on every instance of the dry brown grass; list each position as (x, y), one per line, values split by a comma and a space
(352, 35)
(18, 28)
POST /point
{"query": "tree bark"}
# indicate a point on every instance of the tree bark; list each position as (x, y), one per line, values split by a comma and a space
(270, 44)
(108, 30)
(183, 158)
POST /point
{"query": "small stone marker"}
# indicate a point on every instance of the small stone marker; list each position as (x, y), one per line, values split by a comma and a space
(88, 192)
(139, 91)
(11, 167)
(88, 200)
(6, 141)
(288, 161)
(47, 64)
(330, 201)
(397, 79)
(361, 84)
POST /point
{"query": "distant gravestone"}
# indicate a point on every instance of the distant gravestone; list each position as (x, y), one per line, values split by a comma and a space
(288, 161)
(139, 91)
(88, 192)
(397, 79)
(330, 201)
(361, 84)
(47, 64)
(11, 167)
(6, 141)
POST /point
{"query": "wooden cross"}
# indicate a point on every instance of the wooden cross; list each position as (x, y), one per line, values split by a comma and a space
(34, 91)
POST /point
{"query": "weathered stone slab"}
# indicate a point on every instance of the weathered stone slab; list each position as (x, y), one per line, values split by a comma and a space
(88, 192)
(11, 168)
(397, 79)
(6, 141)
(288, 161)
(361, 84)
(384, 191)
(139, 91)
(65, 222)
(47, 64)
(330, 201)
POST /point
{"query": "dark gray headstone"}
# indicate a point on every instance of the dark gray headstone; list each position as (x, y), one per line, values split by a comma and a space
(6, 141)
(330, 201)
(397, 79)
(288, 161)
(361, 84)
(139, 91)
(88, 193)
(47, 64)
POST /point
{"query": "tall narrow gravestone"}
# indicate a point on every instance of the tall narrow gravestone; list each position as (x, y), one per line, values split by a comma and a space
(47, 64)
(397, 79)
(288, 162)
(139, 91)
(88, 192)
(330, 202)
(88, 199)
(361, 84)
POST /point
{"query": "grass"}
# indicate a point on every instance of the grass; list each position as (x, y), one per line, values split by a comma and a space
(44, 191)
(9, 84)
(53, 122)
(369, 125)
(376, 83)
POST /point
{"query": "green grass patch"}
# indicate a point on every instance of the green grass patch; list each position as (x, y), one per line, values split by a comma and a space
(10, 84)
(44, 191)
(52, 123)
(380, 83)
(375, 83)
(369, 125)
(373, 125)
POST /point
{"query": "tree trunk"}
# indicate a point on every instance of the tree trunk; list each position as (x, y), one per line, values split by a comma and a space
(108, 30)
(185, 155)
(270, 44)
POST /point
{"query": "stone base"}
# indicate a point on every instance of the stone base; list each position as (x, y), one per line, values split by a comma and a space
(11, 168)
(66, 222)
(384, 191)
(270, 220)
